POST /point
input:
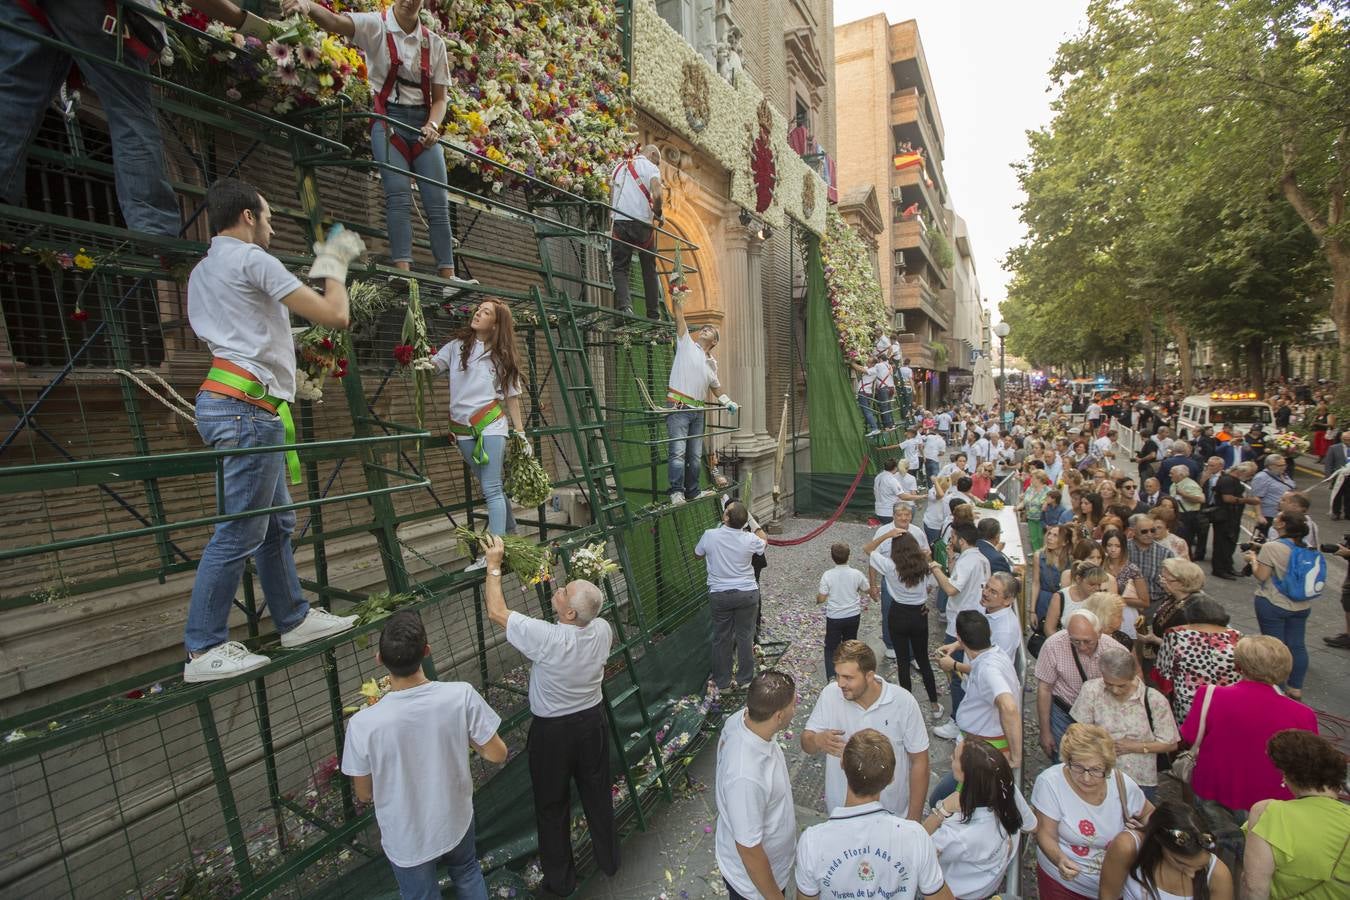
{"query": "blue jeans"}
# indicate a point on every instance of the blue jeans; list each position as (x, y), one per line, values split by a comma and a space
(1289, 627)
(419, 882)
(31, 75)
(685, 428)
(945, 786)
(1059, 723)
(883, 401)
(868, 410)
(931, 467)
(252, 481)
(956, 685)
(429, 164)
(500, 520)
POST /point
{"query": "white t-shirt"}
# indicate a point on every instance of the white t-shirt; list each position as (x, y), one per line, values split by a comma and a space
(234, 306)
(1101, 446)
(754, 805)
(991, 674)
(408, 89)
(690, 373)
(906, 376)
(969, 574)
(844, 587)
(728, 551)
(884, 548)
(1084, 830)
(900, 592)
(1005, 630)
(867, 380)
(882, 373)
(1094, 411)
(983, 450)
(473, 388)
(624, 194)
(865, 851)
(895, 713)
(933, 446)
(913, 451)
(944, 421)
(936, 511)
(414, 744)
(885, 492)
(569, 662)
(974, 853)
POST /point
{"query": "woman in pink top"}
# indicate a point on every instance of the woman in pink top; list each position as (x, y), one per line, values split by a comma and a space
(1232, 770)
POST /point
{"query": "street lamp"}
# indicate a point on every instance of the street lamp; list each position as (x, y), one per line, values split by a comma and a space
(1001, 330)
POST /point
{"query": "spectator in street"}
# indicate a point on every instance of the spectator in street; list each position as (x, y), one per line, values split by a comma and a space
(1279, 616)
(1069, 659)
(1152, 492)
(1229, 727)
(1189, 498)
(976, 827)
(1085, 579)
(1047, 571)
(1148, 556)
(1269, 486)
(733, 593)
(1198, 649)
(1299, 502)
(1298, 847)
(1337, 458)
(569, 735)
(1031, 506)
(858, 698)
(1081, 805)
(1165, 523)
(1129, 581)
(756, 832)
(1209, 477)
(990, 543)
(1089, 552)
(878, 587)
(1170, 857)
(886, 490)
(970, 571)
(409, 753)
(906, 581)
(1180, 455)
(841, 590)
(935, 510)
(1137, 717)
(1230, 496)
(1109, 608)
(1088, 516)
(992, 708)
(887, 855)
(1000, 593)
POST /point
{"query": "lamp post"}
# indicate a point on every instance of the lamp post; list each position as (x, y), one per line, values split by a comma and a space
(1001, 330)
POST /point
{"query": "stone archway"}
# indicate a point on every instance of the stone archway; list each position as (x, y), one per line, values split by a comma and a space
(704, 301)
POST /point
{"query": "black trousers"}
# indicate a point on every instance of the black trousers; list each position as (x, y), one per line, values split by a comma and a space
(836, 632)
(630, 235)
(1197, 533)
(563, 749)
(1340, 504)
(909, 636)
(1226, 533)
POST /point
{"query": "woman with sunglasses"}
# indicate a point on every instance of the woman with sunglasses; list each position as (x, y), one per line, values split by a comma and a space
(1171, 859)
(1081, 805)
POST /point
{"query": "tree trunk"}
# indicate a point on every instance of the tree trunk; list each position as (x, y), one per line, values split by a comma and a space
(1256, 370)
(1338, 254)
(1148, 352)
(1286, 370)
(1183, 341)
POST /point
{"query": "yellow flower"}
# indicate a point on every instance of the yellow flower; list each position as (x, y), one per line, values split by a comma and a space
(84, 260)
(325, 80)
(495, 155)
(371, 691)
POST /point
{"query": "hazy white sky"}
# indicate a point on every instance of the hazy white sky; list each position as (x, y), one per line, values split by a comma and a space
(989, 60)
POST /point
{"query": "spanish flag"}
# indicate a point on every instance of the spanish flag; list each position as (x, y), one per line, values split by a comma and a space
(912, 160)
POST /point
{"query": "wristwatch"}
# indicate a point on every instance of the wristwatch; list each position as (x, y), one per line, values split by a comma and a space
(497, 572)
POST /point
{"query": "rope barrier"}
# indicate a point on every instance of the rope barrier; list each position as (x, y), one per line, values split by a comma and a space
(185, 410)
(834, 517)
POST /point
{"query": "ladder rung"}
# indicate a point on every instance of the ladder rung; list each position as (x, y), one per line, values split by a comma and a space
(644, 739)
(624, 695)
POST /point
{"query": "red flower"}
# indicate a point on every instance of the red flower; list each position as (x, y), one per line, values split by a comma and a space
(1086, 828)
(1079, 850)
(326, 343)
(404, 353)
(79, 315)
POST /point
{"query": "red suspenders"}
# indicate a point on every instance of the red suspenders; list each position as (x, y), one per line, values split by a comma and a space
(381, 100)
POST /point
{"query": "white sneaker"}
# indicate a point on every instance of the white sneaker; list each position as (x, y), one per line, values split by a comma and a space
(479, 563)
(318, 624)
(223, 661)
(705, 493)
(948, 730)
(890, 654)
(937, 713)
(457, 286)
(677, 499)
(874, 432)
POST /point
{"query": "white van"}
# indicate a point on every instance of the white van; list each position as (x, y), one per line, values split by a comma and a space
(1235, 413)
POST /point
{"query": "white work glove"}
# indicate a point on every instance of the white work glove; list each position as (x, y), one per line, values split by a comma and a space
(426, 364)
(528, 448)
(753, 523)
(333, 254)
(727, 402)
(256, 26)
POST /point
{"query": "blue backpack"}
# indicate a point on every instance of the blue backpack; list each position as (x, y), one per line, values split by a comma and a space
(1306, 574)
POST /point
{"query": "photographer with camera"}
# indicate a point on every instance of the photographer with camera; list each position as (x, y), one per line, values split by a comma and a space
(1342, 640)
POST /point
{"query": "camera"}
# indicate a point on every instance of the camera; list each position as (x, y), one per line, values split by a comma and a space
(1335, 548)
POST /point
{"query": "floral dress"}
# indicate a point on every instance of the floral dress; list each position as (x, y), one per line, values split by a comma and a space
(1189, 658)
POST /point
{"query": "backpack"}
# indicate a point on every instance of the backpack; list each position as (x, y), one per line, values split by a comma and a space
(1306, 574)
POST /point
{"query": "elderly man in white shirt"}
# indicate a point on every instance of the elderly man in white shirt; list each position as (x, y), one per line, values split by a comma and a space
(732, 592)
(858, 698)
(569, 737)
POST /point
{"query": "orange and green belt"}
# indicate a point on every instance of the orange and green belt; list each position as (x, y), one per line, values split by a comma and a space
(478, 423)
(679, 399)
(229, 379)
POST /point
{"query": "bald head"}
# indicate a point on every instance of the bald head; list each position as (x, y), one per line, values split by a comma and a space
(653, 153)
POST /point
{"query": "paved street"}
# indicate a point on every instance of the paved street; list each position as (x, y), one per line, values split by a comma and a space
(675, 859)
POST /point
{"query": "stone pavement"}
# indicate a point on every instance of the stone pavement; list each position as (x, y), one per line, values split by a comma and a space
(675, 858)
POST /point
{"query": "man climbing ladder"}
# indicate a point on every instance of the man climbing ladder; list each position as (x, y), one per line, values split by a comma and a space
(689, 391)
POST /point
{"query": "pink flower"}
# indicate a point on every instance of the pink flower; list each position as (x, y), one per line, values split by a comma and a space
(289, 74)
(279, 51)
(310, 56)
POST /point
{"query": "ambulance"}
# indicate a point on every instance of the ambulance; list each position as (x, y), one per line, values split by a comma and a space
(1234, 412)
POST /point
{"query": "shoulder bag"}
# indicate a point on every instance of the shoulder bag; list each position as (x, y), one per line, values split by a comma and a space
(1164, 759)
(1183, 766)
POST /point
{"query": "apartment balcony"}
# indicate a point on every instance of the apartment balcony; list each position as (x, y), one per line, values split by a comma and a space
(916, 350)
(913, 293)
(909, 235)
(911, 182)
(910, 121)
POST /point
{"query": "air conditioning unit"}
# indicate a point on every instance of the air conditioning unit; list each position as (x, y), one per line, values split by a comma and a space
(897, 195)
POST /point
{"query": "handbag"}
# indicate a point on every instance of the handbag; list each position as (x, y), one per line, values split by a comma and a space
(1183, 766)
(1164, 759)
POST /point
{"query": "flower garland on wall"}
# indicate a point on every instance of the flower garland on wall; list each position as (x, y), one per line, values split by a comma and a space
(730, 129)
(856, 303)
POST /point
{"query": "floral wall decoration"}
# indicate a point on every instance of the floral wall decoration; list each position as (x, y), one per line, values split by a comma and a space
(694, 93)
(660, 59)
(856, 302)
(808, 193)
(761, 158)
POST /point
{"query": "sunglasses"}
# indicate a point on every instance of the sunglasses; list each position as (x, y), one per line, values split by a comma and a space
(1184, 839)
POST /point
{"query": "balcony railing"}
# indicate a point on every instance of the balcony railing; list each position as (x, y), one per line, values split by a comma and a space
(913, 292)
(907, 108)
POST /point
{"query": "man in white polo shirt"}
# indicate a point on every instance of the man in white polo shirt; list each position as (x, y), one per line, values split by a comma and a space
(756, 818)
(934, 445)
(864, 850)
(635, 193)
(689, 390)
(970, 573)
(993, 691)
(732, 592)
(857, 699)
(569, 737)
(886, 490)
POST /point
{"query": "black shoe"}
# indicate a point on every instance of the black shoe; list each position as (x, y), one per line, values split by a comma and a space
(1226, 576)
(1341, 640)
(626, 310)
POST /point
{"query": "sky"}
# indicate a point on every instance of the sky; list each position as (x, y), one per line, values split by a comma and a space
(988, 60)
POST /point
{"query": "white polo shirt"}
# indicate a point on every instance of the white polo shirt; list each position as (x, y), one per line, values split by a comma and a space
(569, 662)
(913, 451)
(983, 450)
(728, 551)
(991, 673)
(690, 373)
(885, 492)
(843, 587)
(754, 805)
(1005, 631)
(974, 853)
(473, 388)
(969, 574)
(895, 713)
(944, 421)
(906, 595)
(234, 306)
(414, 744)
(884, 548)
(865, 851)
(934, 445)
(624, 194)
(369, 37)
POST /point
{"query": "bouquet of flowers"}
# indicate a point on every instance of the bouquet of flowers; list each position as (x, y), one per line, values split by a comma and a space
(855, 297)
(1288, 443)
(371, 692)
(523, 478)
(322, 351)
(526, 558)
(590, 563)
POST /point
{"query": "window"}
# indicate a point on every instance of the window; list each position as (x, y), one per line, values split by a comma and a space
(693, 19)
(802, 114)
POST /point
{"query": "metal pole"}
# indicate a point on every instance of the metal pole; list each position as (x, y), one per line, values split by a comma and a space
(1002, 383)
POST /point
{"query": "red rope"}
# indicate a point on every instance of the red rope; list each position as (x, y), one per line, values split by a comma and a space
(792, 542)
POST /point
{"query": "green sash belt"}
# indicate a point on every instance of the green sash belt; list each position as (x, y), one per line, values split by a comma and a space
(255, 391)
